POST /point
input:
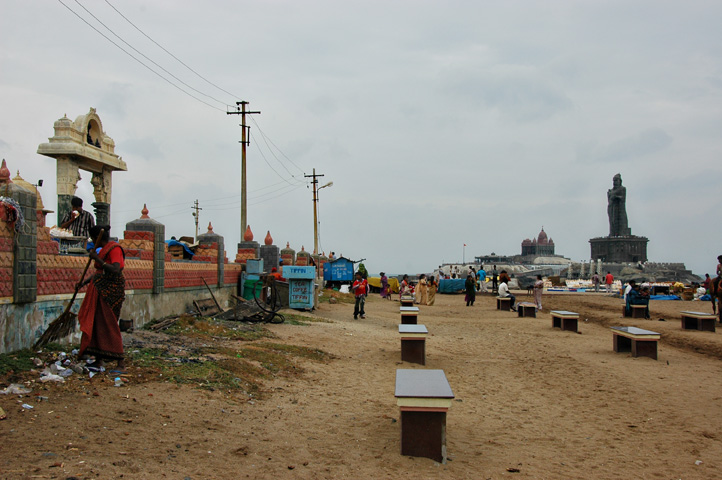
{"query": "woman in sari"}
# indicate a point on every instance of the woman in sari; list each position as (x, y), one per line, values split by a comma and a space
(432, 290)
(384, 286)
(421, 295)
(100, 311)
(470, 287)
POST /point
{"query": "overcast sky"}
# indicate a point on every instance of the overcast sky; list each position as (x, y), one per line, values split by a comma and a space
(439, 123)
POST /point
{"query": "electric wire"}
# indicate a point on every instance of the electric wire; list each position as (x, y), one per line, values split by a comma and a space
(269, 164)
(146, 57)
(169, 53)
(136, 59)
(266, 139)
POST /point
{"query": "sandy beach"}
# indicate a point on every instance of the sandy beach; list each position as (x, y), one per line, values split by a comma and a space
(550, 404)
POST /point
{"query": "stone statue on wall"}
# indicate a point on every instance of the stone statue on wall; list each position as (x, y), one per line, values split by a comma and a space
(616, 209)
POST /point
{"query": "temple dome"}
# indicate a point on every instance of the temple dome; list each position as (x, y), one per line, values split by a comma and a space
(542, 237)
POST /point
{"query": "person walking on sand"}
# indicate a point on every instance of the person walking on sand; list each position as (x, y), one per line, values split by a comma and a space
(421, 296)
(609, 280)
(538, 289)
(360, 288)
(482, 279)
(595, 282)
(385, 286)
(470, 287)
(432, 290)
(494, 280)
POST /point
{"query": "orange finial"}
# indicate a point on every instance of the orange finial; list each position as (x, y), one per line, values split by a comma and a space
(4, 174)
(248, 236)
(144, 212)
(269, 239)
(210, 228)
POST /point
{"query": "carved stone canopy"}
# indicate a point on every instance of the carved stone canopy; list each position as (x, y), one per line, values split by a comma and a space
(83, 145)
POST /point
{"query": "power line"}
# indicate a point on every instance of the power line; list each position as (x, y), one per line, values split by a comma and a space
(145, 56)
(169, 53)
(266, 139)
(136, 59)
(271, 166)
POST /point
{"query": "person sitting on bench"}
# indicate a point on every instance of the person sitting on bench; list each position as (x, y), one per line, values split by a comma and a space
(504, 292)
(637, 297)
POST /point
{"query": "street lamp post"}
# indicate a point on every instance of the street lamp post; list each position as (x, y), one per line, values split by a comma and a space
(315, 217)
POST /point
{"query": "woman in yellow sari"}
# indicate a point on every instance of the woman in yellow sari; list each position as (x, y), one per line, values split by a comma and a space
(432, 285)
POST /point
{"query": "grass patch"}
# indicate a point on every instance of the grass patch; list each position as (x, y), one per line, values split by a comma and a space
(227, 368)
(16, 362)
(327, 295)
(209, 328)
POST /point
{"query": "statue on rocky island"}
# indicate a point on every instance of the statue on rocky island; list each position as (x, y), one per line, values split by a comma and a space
(616, 209)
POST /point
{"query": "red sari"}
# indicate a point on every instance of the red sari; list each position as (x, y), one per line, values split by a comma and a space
(100, 311)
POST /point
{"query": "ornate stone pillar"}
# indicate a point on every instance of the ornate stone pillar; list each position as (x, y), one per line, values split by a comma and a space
(68, 176)
(102, 187)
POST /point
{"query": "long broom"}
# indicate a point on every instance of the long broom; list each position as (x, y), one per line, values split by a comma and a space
(65, 324)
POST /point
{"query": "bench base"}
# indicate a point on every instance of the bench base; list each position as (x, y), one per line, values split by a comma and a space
(423, 434)
(570, 324)
(703, 324)
(526, 310)
(638, 348)
(409, 319)
(413, 350)
(503, 304)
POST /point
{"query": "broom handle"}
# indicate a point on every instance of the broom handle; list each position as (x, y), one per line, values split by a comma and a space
(87, 265)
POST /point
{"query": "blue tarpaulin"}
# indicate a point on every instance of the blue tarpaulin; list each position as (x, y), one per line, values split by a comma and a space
(452, 285)
(664, 297)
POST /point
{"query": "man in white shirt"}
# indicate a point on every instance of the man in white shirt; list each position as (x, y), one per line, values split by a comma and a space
(504, 292)
(629, 288)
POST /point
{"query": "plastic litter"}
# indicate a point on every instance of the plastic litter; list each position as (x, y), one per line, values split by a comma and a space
(51, 377)
(118, 382)
(66, 373)
(15, 389)
(28, 407)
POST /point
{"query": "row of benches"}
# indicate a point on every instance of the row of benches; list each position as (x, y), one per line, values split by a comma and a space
(423, 396)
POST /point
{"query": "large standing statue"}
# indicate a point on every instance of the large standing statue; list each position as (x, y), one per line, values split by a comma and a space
(616, 209)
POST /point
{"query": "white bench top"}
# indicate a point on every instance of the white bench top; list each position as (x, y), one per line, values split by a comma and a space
(404, 328)
(409, 309)
(699, 314)
(422, 384)
(636, 332)
(564, 313)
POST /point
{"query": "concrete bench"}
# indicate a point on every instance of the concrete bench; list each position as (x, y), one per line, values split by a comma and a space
(640, 342)
(413, 343)
(565, 320)
(407, 301)
(409, 315)
(698, 321)
(526, 309)
(503, 303)
(423, 397)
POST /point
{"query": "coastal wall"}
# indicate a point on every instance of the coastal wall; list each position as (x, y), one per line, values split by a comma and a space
(37, 281)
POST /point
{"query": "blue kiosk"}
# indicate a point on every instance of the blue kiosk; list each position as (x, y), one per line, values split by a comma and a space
(301, 286)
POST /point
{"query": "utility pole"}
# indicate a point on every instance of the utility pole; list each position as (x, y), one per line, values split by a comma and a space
(195, 214)
(245, 140)
(315, 214)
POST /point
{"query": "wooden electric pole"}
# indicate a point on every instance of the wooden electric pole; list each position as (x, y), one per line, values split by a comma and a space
(315, 210)
(245, 140)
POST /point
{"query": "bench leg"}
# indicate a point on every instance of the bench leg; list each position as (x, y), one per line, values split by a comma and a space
(556, 322)
(423, 434)
(413, 351)
(644, 348)
(622, 344)
(570, 324)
